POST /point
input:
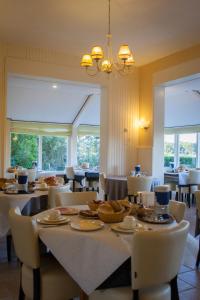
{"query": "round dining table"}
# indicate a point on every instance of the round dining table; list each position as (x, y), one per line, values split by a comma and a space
(89, 257)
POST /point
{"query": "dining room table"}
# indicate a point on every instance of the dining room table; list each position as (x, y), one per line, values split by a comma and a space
(89, 256)
(116, 187)
(28, 203)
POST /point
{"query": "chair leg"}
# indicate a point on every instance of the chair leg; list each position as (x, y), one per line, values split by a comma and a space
(174, 289)
(21, 295)
(188, 199)
(176, 197)
(8, 246)
(198, 256)
(36, 284)
(135, 294)
(105, 197)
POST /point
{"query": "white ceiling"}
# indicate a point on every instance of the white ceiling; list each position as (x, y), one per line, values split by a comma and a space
(182, 104)
(34, 99)
(153, 28)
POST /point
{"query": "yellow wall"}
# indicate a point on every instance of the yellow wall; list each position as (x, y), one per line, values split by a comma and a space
(119, 105)
(151, 78)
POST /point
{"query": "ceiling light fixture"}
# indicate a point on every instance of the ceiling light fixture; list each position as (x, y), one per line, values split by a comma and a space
(54, 86)
(105, 63)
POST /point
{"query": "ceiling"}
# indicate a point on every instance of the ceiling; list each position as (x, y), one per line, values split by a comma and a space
(152, 28)
(182, 103)
(44, 100)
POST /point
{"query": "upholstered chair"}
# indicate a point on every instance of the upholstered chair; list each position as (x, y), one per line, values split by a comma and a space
(177, 210)
(75, 198)
(138, 184)
(42, 277)
(154, 271)
(53, 191)
(102, 185)
(76, 182)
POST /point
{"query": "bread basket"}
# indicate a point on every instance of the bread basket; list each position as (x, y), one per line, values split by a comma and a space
(94, 205)
(109, 217)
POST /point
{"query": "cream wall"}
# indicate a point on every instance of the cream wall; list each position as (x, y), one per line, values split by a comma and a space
(151, 78)
(119, 102)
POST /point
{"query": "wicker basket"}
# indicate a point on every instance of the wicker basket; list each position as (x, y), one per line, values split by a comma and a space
(114, 217)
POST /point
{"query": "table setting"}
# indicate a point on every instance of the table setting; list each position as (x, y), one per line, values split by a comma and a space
(83, 245)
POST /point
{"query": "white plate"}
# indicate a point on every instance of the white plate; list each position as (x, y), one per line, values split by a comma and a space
(136, 226)
(59, 219)
(87, 225)
(68, 211)
(44, 220)
(118, 228)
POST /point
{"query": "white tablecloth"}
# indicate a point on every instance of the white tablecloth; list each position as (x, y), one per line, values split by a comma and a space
(89, 257)
(9, 201)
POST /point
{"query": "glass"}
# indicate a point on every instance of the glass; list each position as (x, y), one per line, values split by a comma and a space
(24, 149)
(188, 150)
(169, 149)
(54, 153)
(88, 148)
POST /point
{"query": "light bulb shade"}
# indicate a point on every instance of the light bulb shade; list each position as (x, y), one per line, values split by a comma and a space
(124, 52)
(86, 60)
(106, 66)
(130, 61)
(97, 53)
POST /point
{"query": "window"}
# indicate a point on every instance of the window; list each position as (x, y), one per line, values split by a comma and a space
(188, 149)
(169, 149)
(24, 149)
(182, 149)
(54, 153)
(88, 150)
(50, 152)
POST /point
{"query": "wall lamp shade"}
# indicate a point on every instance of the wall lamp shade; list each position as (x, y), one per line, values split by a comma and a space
(144, 124)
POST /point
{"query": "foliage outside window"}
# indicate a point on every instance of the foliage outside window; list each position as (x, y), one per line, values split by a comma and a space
(88, 147)
(169, 149)
(54, 153)
(24, 149)
(188, 149)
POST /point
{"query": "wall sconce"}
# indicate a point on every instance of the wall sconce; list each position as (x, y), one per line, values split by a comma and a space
(142, 123)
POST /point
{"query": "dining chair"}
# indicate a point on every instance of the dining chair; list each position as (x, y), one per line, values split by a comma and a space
(102, 185)
(177, 210)
(197, 227)
(153, 271)
(138, 184)
(92, 181)
(75, 198)
(53, 191)
(77, 181)
(41, 277)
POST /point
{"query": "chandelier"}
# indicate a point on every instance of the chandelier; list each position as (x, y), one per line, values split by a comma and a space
(97, 61)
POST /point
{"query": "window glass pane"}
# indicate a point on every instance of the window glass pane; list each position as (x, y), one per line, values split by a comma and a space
(169, 149)
(54, 153)
(188, 149)
(88, 150)
(24, 150)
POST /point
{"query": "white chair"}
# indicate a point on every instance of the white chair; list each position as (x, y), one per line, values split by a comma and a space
(75, 198)
(72, 179)
(177, 210)
(138, 184)
(102, 185)
(197, 227)
(53, 191)
(154, 271)
(42, 277)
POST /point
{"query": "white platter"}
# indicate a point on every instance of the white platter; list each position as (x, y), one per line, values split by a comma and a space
(118, 228)
(87, 225)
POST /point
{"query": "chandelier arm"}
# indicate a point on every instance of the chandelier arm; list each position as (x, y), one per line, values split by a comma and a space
(92, 74)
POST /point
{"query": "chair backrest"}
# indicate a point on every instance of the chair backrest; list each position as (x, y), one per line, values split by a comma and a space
(139, 184)
(53, 191)
(76, 198)
(197, 197)
(194, 176)
(70, 172)
(25, 238)
(177, 209)
(160, 261)
(102, 181)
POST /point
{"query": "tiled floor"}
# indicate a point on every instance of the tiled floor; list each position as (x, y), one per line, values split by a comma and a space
(188, 279)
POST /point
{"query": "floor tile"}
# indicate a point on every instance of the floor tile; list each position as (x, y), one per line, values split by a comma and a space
(192, 294)
(192, 277)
